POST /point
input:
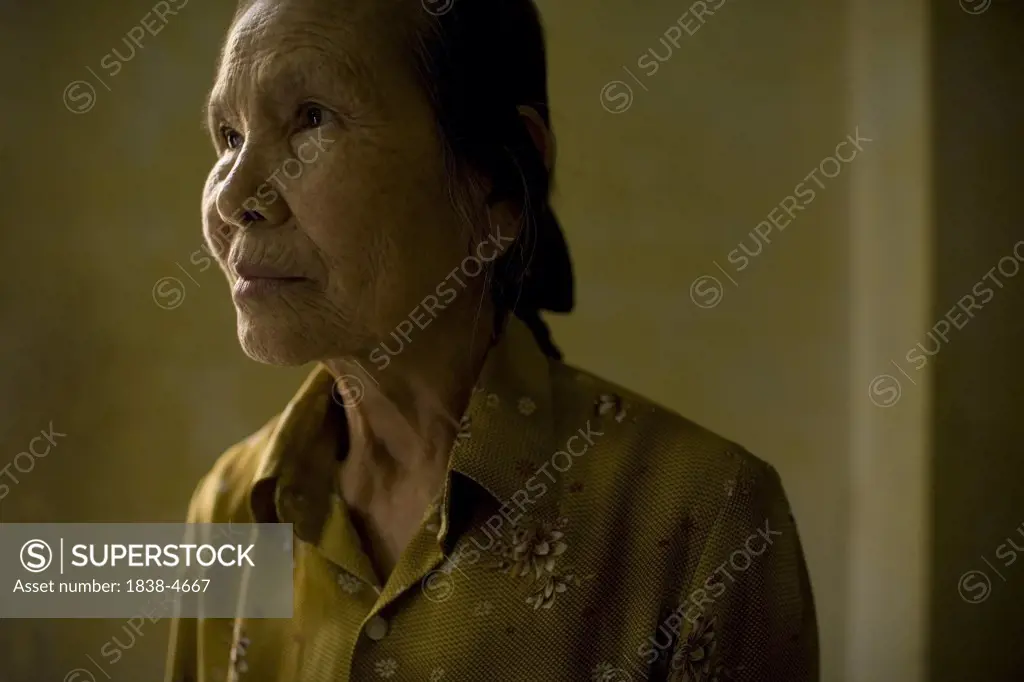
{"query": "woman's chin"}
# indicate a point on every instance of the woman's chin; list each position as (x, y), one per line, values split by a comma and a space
(288, 343)
(272, 352)
(275, 342)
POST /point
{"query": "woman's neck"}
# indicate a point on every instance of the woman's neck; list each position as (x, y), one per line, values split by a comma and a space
(406, 415)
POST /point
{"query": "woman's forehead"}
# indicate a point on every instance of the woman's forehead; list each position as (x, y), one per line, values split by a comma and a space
(366, 21)
(273, 26)
(353, 41)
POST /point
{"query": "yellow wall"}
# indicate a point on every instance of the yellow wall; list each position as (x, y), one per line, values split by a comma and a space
(744, 109)
(101, 205)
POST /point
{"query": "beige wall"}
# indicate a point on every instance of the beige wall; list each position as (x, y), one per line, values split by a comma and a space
(103, 204)
(742, 112)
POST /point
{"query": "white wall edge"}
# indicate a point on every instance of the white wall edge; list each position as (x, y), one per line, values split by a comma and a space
(891, 261)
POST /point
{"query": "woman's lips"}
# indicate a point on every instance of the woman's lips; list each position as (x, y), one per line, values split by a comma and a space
(257, 271)
(255, 287)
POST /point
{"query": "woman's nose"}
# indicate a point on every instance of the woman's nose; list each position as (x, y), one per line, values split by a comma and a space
(248, 195)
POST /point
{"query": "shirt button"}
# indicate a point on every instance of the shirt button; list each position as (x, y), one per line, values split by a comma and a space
(377, 628)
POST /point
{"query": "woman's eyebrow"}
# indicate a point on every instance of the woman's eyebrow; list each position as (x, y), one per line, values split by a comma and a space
(318, 68)
(305, 69)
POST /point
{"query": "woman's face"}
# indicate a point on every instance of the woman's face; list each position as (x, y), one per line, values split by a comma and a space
(322, 133)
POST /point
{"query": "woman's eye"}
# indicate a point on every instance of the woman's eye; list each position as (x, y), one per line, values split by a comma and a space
(312, 116)
(232, 138)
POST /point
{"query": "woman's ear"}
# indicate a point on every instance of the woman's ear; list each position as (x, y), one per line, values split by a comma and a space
(503, 216)
(542, 136)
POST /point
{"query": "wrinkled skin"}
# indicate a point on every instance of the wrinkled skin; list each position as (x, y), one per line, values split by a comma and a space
(368, 219)
(330, 169)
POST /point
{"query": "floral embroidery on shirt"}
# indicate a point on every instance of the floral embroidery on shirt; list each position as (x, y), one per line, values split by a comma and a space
(464, 425)
(432, 518)
(729, 486)
(436, 674)
(533, 553)
(692, 662)
(533, 549)
(526, 406)
(237, 658)
(604, 672)
(543, 596)
(743, 482)
(492, 400)
(349, 583)
(608, 404)
(525, 467)
(483, 608)
(386, 667)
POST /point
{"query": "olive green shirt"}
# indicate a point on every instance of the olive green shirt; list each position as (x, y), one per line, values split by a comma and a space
(583, 533)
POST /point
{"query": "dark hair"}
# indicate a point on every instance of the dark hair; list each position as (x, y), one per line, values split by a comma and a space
(479, 60)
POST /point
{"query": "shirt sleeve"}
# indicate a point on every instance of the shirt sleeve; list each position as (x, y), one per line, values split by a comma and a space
(182, 663)
(748, 615)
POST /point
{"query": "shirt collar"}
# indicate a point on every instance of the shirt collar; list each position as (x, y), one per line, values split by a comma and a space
(291, 441)
(507, 429)
(506, 432)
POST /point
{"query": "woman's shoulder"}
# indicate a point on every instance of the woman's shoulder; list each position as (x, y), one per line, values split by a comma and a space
(653, 450)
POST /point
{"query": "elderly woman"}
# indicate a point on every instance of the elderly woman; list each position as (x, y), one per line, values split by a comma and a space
(466, 506)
